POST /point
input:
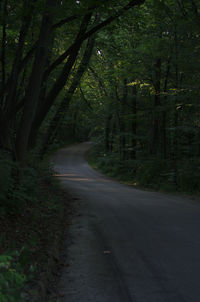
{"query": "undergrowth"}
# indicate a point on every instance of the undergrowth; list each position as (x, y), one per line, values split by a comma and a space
(150, 173)
(30, 202)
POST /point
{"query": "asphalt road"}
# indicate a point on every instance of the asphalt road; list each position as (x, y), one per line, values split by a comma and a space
(126, 244)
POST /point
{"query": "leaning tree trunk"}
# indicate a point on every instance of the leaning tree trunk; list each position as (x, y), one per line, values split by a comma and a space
(33, 90)
(72, 53)
(13, 79)
(3, 47)
(64, 105)
(43, 109)
(11, 87)
(3, 136)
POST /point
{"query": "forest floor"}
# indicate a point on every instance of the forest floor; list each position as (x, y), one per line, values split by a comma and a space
(35, 237)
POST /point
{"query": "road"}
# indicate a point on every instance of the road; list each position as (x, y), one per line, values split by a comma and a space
(125, 244)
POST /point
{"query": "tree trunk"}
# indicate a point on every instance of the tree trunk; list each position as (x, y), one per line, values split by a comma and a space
(123, 102)
(107, 132)
(43, 109)
(175, 136)
(164, 136)
(3, 48)
(33, 90)
(164, 113)
(156, 120)
(13, 80)
(64, 105)
(133, 123)
(112, 136)
(74, 125)
(11, 100)
(72, 52)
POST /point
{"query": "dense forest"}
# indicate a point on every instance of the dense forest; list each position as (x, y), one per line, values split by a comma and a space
(142, 88)
(122, 74)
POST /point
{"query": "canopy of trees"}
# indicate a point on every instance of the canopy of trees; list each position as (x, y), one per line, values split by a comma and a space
(125, 73)
(140, 96)
(42, 41)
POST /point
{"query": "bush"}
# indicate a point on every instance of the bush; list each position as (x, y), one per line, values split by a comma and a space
(12, 280)
(16, 191)
(188, 177)
(156, 173)
(20, 186)
(5, 178)
(152, 173)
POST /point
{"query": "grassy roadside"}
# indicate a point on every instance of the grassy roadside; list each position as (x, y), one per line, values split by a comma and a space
(33, 222)
(149, 175)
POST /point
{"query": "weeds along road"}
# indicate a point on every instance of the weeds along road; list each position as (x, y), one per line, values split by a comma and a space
(126, 244)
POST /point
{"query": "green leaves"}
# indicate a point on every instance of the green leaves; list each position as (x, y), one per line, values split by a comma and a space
(11, 280)
(154, 50)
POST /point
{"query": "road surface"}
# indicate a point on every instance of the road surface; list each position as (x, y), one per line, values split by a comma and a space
(126, 245)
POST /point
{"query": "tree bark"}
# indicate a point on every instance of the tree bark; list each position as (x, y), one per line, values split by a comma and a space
(3, 48)
(107, 132)
(44, 108)
(64, 105)
(89, 33)
(176, 117)
(12, 84)
(164, 112)
(13, 80)
(134, 123)
(32, 94)
(122, 127)
(35, 81)
(156, 120)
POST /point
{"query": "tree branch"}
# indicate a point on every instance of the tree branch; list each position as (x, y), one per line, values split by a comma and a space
(64, 21)
(89, 33)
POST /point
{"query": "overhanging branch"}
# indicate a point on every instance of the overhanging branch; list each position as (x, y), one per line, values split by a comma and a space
(89, 33)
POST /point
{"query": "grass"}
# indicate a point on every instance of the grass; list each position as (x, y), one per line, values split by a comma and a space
(150, 174)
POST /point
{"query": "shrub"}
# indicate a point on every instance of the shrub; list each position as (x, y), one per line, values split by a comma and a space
(188, 177)
(12, 280)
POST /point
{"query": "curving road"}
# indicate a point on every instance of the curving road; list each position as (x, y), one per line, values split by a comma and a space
(126, 245)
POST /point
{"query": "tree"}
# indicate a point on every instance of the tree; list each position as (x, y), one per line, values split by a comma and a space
(151, 107)
(34, 66)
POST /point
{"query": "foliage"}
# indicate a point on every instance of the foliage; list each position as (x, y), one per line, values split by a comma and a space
(157, 174)
(144, 94)
(15, 193)
(30, 222)
(136, 96)
(12, 280)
